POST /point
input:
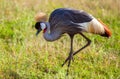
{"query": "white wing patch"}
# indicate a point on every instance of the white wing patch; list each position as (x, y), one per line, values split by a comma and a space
(93, 26)
(84, 26)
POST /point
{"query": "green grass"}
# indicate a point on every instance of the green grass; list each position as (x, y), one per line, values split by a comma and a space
(25, 56)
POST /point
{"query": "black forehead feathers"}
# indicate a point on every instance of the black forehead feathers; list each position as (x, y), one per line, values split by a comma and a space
(37, 25)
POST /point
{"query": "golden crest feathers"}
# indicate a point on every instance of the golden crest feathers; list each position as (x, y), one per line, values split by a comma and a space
(40, 17)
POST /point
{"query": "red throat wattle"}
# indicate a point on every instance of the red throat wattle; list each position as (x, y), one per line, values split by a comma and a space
(44, 30)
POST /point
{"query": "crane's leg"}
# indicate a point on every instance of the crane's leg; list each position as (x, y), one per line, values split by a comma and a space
(70, 55)
(88, 43)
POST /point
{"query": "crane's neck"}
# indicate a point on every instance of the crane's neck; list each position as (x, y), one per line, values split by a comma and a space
(51, 35)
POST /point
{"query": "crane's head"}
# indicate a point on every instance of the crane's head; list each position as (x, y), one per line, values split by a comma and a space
(40, 26)
(40, 21)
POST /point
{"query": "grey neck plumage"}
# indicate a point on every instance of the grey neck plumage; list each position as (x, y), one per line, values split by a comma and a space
(50, 34)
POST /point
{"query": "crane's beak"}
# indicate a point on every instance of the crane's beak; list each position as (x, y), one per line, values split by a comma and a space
(38, 31)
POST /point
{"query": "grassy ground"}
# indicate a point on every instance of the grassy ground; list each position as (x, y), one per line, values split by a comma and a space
(25, 56)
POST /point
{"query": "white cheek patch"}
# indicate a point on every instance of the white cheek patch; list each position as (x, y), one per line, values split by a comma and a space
(43, 26)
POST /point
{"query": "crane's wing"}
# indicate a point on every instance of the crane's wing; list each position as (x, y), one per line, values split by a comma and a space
(78, 16)
(63, 17)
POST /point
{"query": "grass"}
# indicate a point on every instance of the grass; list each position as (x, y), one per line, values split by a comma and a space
(25, 56)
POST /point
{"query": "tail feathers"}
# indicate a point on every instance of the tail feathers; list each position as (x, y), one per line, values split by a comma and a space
(107, 31)
(98, 27)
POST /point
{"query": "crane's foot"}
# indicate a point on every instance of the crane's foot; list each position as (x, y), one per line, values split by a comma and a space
(67, 60)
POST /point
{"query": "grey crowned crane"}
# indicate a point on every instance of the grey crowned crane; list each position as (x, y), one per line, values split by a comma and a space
(70, 21)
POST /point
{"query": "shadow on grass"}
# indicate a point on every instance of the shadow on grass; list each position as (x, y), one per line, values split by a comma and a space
(9, 74)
